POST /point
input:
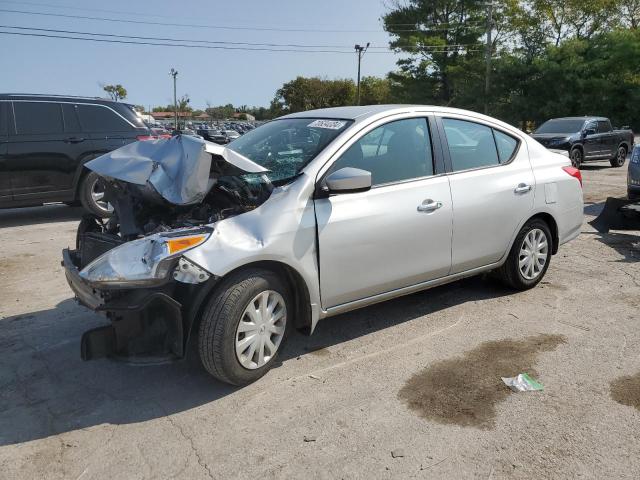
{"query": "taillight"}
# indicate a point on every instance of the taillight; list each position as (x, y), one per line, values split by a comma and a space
(144, 138)
(574, 172)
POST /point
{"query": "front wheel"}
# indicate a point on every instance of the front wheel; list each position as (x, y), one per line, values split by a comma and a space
(529, 256)
(244, 326)
(620, 157)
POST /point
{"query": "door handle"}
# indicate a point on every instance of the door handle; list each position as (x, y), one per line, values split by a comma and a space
(429, 206)
(522, 188)
(74, 140)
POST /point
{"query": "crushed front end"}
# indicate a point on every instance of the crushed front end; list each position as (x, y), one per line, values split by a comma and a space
(166, 200)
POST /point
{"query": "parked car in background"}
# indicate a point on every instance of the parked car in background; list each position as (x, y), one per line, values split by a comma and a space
(312, 215)
(633, 175)
(231, 135)
(213, 135)
(586, 139)
(160, 132)
(45, 140)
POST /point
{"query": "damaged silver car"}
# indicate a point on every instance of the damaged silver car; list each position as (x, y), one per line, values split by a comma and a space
(311, 215)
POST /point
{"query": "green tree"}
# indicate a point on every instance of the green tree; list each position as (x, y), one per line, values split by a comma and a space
(308, 93)
(375, 91)
(116, 92)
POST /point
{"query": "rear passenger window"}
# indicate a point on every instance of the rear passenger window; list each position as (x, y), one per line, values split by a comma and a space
(506, 146)
(71, 123)
(37, 118)
(393, 152)
(471, 145)
(95, 118)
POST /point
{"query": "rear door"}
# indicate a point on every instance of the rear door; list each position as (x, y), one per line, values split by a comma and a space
(608, 141)
(491, 190)
(42, 157)
(5, 183)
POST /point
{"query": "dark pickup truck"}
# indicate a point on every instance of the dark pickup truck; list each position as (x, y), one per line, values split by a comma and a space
(586, 139)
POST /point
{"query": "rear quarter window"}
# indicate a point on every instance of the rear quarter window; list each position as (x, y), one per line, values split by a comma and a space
(506, 144)
(100, 119)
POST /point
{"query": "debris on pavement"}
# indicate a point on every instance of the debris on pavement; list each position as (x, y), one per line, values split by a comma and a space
(310, 438)
(397, 453)
(522, 383)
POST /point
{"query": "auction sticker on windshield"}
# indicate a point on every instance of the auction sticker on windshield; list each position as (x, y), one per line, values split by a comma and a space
(331, 124)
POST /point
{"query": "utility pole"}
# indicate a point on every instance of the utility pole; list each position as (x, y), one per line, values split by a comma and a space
(174, 74)
(487, 76)
(360, 51)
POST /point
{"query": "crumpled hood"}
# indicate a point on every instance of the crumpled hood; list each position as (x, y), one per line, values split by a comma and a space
(178, 168)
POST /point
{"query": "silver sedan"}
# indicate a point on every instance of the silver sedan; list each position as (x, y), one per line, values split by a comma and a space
(312, 215)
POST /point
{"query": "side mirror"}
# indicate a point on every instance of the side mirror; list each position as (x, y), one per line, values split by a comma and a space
(348, 180)
(589, 131)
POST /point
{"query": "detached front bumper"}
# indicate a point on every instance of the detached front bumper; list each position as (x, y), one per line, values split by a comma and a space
(146, 323)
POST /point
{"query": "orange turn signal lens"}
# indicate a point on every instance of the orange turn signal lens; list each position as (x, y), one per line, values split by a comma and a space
(182, 243)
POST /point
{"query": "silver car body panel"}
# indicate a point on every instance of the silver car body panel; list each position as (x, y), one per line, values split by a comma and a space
(376, 245)
(177, 168)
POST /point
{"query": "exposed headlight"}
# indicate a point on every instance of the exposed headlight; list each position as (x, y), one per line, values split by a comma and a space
(145, 261)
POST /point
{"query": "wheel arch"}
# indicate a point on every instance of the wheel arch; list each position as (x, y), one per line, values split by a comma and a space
(82, 172)
(553, 226)
(295, 282)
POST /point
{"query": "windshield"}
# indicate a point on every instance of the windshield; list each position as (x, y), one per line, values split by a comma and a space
(561, 125)
(286, 146)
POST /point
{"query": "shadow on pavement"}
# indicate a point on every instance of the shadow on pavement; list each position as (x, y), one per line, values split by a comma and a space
(14, 217)
(45, 389)
(626, 245)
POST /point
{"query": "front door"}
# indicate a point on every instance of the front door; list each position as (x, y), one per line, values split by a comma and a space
(492, 188)
(592, 141)
(395, 235)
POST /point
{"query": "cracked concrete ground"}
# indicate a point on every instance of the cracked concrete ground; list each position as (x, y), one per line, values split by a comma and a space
(62, 418)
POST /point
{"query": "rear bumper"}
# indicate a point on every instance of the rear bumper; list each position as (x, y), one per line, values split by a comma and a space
(146, 323)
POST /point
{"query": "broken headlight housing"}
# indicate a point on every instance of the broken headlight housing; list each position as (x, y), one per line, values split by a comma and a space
(145, 261)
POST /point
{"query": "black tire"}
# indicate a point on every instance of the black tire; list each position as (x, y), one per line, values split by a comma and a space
(87, 184)
(576, 157)
(220, 319)
(620, 157)
(509, 273)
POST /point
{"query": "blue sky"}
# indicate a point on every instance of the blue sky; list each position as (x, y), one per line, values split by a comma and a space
(43, 65)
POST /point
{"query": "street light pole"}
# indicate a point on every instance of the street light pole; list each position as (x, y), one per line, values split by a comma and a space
(360, 51)
(174, 74)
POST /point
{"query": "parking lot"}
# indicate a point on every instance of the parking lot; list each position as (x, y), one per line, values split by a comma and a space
(408, 389)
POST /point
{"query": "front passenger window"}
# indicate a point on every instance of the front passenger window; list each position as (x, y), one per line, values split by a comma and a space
(393, 152)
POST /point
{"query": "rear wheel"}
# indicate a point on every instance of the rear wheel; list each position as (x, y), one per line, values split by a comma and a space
(576, 157)
(244, 326)
(620, 157)
(529, 257)
(91, 194)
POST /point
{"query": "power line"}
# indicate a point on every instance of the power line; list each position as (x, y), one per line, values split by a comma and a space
(219, 42)
(218, 27)
(462, 25)
(149, 14)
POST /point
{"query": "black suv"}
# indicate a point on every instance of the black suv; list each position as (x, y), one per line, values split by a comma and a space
(45, 141)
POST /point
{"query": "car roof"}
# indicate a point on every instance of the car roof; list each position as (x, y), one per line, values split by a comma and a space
(363, 112)
(55, 98)
(585, 118)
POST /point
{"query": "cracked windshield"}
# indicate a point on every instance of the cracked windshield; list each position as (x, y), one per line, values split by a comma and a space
(286, 146)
